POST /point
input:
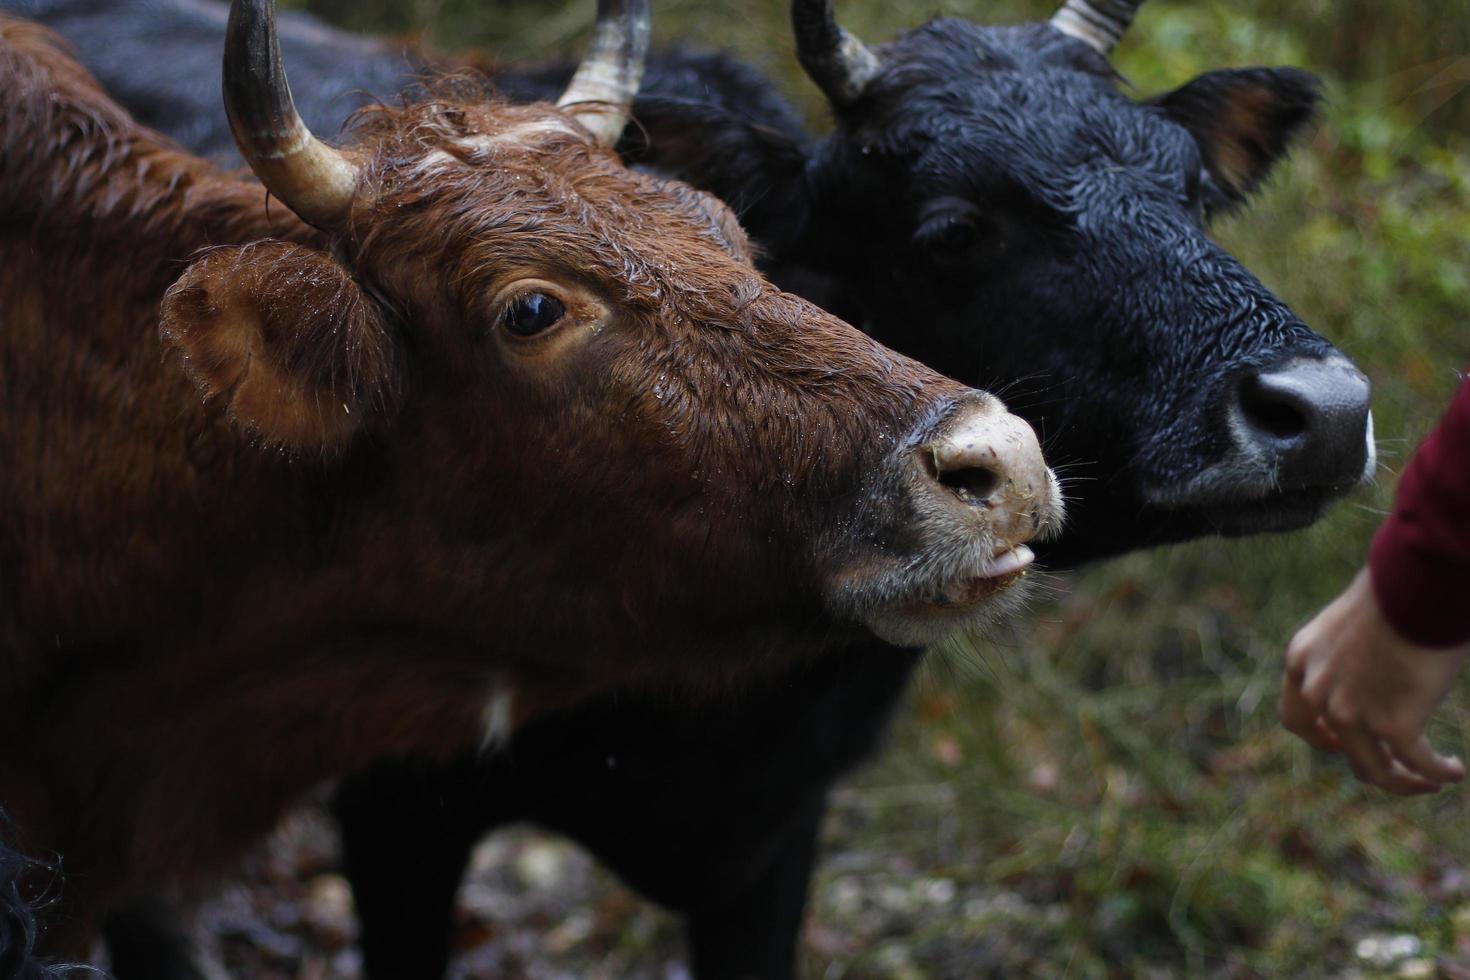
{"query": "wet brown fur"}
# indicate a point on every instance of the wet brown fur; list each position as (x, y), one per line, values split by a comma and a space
(336, 505)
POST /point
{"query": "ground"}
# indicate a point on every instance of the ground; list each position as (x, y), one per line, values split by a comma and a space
(1108, 792)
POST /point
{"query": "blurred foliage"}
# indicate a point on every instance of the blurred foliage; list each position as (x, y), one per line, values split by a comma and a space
(1108, 792)
(1414, 54)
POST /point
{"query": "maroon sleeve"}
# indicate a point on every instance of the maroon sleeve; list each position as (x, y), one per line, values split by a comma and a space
(1420, 559)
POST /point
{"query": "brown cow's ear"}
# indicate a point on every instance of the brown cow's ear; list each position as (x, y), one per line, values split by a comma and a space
(287, 339)
(1244, 120)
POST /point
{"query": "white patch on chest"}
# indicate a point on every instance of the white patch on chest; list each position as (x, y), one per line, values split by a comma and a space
(496, 717)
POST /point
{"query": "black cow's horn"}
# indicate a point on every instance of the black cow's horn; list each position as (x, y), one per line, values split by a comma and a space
(840, 64)
(310, 177)
(1101, 23)
(601, 92)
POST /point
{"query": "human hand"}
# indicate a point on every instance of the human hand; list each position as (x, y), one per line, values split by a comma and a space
(1353, 685)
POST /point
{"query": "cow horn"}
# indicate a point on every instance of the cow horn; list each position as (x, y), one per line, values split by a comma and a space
(601, 92)
(308, 176)
(1100, 23)
(840, 64)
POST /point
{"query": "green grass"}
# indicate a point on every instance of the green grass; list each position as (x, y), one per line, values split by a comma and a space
(1109, 793)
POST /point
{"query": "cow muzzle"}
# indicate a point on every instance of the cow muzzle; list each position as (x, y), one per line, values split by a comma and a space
(976, 490)
(1300, 436)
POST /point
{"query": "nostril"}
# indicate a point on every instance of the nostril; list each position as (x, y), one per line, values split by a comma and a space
(1274, 411)
(1304, 424)
(974, 483)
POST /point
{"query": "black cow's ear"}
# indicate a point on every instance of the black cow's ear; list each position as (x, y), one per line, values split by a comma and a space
(285, 337)
(1244, 120)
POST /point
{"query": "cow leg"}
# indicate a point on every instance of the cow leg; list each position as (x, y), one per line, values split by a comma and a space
(405, 845)
(752, 933)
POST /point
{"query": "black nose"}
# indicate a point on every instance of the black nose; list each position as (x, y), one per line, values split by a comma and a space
(1310, 415)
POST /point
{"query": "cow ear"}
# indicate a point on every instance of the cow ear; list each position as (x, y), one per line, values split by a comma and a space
(1244, 120)
(286, 339)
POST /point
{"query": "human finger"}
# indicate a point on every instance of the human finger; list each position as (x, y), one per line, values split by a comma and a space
(1330, 741)
(1418, 757)
(1302, 720)
(1372, 763)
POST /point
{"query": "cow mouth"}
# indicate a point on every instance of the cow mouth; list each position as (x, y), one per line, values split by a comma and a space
(1287, 510)
(946, 607)
(1272, 513)
(998, 574)
(1247, 492)
(1238, 510)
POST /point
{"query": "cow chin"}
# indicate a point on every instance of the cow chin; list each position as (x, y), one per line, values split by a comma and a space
(982, 605)
(912, 608)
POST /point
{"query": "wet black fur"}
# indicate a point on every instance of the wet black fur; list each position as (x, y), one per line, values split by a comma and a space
(997, 205)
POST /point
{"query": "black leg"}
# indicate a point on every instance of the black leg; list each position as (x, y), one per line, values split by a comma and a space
(405, 845)
(753, 933)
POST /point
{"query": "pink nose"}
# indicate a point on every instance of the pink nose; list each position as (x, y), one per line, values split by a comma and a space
(987, 460)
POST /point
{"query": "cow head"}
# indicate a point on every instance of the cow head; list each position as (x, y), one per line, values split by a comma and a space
(607, 427)
(991, 203)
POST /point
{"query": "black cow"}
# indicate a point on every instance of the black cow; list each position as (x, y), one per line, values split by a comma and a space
(976, 175)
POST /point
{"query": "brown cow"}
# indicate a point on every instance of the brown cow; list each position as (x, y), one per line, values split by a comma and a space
(499, 425)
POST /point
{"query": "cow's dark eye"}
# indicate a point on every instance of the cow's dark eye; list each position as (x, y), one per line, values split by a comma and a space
(955, 244)
(955, 235)
(951, 237)
(532, 313)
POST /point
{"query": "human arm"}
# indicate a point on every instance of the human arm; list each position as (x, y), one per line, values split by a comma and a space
(1364, 676)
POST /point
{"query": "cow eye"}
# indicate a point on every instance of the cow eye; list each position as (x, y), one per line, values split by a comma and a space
(954, 235)
(532, 313)
(952, 243)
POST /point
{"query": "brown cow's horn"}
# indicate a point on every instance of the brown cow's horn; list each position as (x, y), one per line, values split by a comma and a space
(840, 64)
(601, 92)
(1101, 23)
(311, 178)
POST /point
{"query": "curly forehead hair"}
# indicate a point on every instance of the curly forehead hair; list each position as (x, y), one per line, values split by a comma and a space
(525, 186)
